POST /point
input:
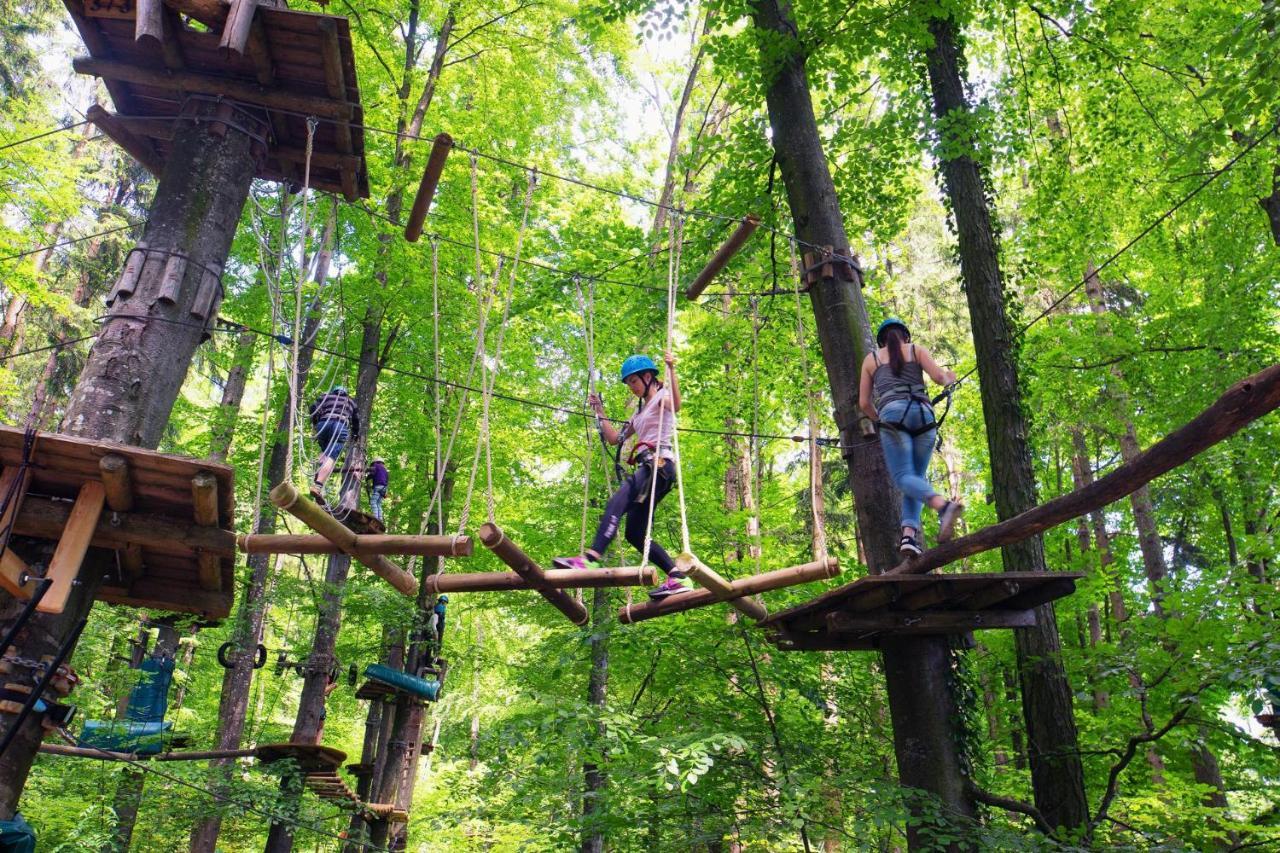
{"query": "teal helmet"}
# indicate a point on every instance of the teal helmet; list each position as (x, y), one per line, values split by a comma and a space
(636, 364)
(889, 323)
(339, 389)
(444, 599)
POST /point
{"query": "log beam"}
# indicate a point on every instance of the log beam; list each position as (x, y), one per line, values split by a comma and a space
(935, 622)
(208, 84)
(73, 544)
(137, 147)
(235, 32)
(497, 542)
(440, 149)
(45, 518)
(204, 502)
(118, 482)
(556, 578)
(305, 510)
(804, 573)
(736, 241)
(708, 579)
(415, 546)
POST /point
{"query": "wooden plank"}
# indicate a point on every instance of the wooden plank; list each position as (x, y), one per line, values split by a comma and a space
(157, 594)
(934, 622)
(823, 642)
(507, 551)
(45, 518)
(209, 84)
(932, 594)
(64, 567)
(287, 498)
(325, 159)
(334, 81)
(1043, 593)
(117, 481)
(137, 147)
(988, 595)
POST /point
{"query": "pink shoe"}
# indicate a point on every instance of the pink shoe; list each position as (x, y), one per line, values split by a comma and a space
(673, 585)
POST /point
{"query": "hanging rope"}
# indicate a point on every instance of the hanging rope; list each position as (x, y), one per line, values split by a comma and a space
(294, 391)
(673, 284)
(587, 305)
(753, 446)
(820, 552)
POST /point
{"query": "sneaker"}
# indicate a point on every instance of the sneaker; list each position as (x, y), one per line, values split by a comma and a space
(317, 491)
(675, 584)
(574, 563)
(947, 518)
(909, 546)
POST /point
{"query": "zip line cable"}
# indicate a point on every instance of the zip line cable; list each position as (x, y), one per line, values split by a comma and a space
(51, 132)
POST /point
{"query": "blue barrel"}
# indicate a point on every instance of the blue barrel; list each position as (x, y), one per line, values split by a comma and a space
(423, 688)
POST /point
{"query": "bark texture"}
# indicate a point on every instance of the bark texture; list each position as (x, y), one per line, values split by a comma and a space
(922, 705)
(1057, 773)
(140, 359)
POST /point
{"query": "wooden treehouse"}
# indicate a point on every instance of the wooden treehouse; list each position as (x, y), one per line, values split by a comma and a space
(260, 59)
(158, 527)
(860, 615)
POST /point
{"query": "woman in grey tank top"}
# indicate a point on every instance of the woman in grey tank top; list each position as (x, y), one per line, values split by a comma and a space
(892, 393)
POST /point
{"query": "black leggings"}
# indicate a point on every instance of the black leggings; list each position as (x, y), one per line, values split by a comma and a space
(632, 500)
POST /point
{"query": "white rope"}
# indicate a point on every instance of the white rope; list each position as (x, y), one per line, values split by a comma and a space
(587, 304)
(820, 552)
(673, 282)
(294, 390)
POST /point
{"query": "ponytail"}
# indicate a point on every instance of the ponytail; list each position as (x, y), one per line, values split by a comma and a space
(894, 338)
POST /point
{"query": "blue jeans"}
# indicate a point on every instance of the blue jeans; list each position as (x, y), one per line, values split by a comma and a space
(907, 457)
(332, 436)
(375, 501)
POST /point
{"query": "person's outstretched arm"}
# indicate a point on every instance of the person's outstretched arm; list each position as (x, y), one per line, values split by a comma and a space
(940, 375)
(611, 435)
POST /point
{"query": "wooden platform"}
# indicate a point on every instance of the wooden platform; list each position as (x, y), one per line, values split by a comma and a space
(158, 526)
(859, 615)
(292, 65)
(310, 757)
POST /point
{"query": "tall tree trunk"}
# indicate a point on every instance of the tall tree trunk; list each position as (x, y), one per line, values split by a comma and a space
(140, 358)
(224, 421)
(237, 680)
(1057, 773)
(917, 669)
(593, 774)
(677, 126)
(128, 796)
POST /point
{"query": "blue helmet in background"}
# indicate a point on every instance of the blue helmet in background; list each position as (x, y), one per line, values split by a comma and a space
(889, 323)
(636, 364)
(444, 599)
(339, 389)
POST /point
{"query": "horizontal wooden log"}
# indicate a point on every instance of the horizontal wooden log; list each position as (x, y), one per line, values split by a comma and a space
(497, 542)
(209, 84)
(934, 622)
(823, 642)
(440, 149)
(137, 147)
(108, 755)
(791, 576)
(736, 241)
(708, 579)
(45, 518)
(556, 578)
(416, 546)
(171, 596)
(309, 513)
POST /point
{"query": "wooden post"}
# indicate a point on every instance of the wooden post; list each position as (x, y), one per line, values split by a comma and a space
(118, 482)
(440, 149)
(13, 569)
(497, 542)
(235, 33)
(417, 546)
(555, 578)
(804, 573)
(204, 498)
(305, 510)
(175, 267)
(64, 568)
(730, 248)
(710, 580)
(149, 24)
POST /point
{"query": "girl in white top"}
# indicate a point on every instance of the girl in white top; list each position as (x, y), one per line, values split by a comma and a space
(652, 454)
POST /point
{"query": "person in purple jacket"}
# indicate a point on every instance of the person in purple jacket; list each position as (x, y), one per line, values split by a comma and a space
(377, 486)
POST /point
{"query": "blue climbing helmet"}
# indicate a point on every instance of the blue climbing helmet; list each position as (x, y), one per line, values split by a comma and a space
(636, 364)
(444, 599)
(339, 389)
(889, 323)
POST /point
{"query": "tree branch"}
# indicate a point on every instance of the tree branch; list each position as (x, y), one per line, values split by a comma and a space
(1009, 804)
